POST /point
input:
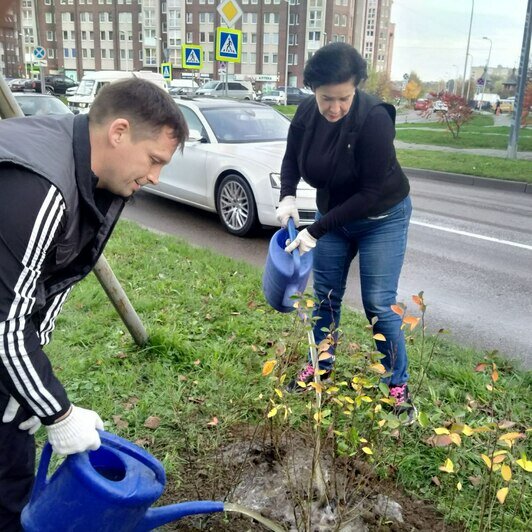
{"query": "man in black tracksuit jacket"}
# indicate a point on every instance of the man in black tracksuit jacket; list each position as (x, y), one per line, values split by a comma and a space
(64, 181)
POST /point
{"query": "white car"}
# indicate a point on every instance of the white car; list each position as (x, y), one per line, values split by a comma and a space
(231, 164)
(274, 98)
(438, 105)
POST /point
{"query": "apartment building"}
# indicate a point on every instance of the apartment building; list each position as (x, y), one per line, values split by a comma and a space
(278, 36)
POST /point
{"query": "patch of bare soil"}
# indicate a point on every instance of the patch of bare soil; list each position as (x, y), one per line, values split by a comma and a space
(276, 479)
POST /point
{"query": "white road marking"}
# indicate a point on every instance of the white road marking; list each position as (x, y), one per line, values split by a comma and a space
(472, 235)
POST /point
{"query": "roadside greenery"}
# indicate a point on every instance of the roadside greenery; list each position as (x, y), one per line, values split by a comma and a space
(213, 359)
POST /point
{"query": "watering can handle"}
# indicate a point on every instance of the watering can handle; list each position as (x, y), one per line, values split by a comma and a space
(292, 233)
(40, 479)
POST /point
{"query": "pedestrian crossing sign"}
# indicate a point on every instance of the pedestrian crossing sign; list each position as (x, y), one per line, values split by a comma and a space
(166, 70)
(228, 45)
(192, 56)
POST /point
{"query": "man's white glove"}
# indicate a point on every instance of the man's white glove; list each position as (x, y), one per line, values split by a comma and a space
(287, 209)
(31, 424)
(76, 433)
(304, 241)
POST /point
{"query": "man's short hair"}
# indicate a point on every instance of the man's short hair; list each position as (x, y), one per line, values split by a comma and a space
(147, 107)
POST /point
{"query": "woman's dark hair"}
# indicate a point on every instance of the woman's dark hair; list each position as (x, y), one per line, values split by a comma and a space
(334, 63)
(146, 106)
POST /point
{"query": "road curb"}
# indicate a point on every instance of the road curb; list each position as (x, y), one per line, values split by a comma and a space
(463, 179)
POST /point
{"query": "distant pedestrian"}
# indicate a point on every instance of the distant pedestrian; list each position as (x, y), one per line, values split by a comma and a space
(498, 108)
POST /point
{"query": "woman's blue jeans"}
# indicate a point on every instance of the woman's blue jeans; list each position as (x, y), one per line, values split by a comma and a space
(380, 243)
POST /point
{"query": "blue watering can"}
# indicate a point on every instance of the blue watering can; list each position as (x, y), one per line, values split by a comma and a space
(285, 274)
(109, 489)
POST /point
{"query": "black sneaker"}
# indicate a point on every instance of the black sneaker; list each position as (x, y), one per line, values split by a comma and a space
(403, 404)
(306, 375)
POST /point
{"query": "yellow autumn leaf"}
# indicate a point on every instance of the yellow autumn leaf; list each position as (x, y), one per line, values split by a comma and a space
(278, 392)
(510, 436)
(455, 438)
(467, 430)
(272, 412)
(380, 337)
(378, 368)
(363, 440)
(487, 461)
(367, 450)
(441, 430)
(501, 495)
(309, 303)
(459, 486)
(525, 464)
(448, 467)
(268, 367)
(494, 375)
(498, 459)
(317, 387)
(324, 356)
(381, 422)
(366, 399)
(506, 472)
(417, 300)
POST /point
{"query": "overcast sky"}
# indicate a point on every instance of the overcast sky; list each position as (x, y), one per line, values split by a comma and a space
(431, 35)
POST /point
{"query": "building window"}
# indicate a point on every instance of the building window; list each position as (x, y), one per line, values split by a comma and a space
(49, 17)
(66, 51)
(189, 18)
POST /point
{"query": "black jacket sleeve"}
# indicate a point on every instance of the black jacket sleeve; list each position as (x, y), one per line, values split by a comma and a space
(374, 153)
(32, 216)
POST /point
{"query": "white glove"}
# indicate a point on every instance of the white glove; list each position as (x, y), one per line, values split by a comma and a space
(304, 241)
(76, 433)
(287, 209)
(31, 424)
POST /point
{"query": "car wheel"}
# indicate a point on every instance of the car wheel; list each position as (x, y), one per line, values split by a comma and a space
(236, 206)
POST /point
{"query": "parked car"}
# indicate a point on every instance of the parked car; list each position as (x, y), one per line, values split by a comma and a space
(53, 84)
(421, 104)
(17, 85)
(71, 90)
(275, 97)
(295, 95)
(241, 90)
(507, 105)
(438, 105)
(40, 104)
(231, 164)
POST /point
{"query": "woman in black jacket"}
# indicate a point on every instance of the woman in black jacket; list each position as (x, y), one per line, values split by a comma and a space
(341, 142)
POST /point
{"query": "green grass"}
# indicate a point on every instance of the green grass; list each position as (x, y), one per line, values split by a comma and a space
(463, 163)
(211, 332)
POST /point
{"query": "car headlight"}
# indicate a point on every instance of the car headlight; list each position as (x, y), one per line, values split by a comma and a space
(275, 180)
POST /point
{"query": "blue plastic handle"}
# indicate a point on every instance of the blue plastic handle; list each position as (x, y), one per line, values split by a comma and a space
(42, 472)
(292, 233)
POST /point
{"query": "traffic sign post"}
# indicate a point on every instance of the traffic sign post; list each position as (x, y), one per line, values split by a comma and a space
(40, 54)
(192, 56)
(229, 11)
(228, 45)
(166, 71)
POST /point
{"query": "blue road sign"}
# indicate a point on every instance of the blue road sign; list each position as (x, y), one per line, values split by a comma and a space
(192, 56)
(39, 52)
(228, 45)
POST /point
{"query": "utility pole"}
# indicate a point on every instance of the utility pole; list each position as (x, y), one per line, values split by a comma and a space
(521, 86)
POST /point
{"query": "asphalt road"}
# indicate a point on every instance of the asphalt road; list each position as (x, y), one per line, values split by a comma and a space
(469, 250)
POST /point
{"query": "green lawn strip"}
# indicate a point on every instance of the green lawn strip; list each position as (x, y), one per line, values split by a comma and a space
(211, 332)
(467, 139)
(464, 163)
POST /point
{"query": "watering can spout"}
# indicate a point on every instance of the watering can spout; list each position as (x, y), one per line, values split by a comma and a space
(162, 515)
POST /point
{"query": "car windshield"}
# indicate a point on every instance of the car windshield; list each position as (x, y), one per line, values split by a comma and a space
(41, 105)
(273, 93)
(246, 124)
(210, 85)
(85, 87)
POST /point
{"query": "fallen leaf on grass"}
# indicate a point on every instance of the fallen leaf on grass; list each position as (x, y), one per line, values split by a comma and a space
(197, 362)
(213, 422)
(120, 423)
(152, 422)
(436, 481)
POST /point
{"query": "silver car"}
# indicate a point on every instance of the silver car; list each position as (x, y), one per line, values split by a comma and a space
(231, 164)
(231, 89)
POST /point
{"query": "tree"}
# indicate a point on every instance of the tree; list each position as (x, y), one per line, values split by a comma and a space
(379, 84)
(457, 114)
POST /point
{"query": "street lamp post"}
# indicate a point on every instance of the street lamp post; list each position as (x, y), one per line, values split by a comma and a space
(468, 40)
(455, 87)
(485, 75)
(470, 74)
(287, 44)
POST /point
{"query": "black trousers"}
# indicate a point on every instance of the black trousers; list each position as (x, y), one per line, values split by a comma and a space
(17, 467)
